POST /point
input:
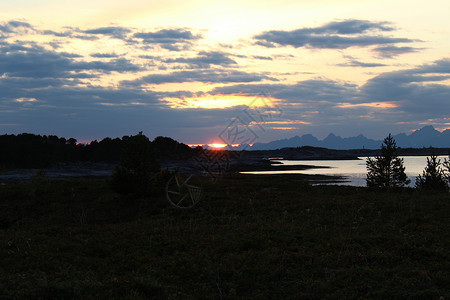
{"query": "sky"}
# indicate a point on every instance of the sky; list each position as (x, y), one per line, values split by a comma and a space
(223, 71)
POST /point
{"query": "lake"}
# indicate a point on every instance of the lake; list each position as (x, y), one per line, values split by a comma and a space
(354, 171)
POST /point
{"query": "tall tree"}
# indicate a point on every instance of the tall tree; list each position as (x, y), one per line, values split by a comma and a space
(386, 169)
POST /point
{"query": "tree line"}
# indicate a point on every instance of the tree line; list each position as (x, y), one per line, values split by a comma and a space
(387, 170)
(40, 151)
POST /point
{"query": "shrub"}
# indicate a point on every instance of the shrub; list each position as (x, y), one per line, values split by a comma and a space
(446, 165)
(433, 176)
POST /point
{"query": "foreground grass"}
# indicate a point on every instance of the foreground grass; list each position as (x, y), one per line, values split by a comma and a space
(249, 238)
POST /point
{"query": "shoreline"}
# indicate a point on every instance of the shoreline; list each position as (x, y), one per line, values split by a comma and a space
(217, 163)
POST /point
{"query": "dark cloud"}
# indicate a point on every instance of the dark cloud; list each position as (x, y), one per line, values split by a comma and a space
(439, 66)
(151, 57)
(115, 65)
(170, 39)
(69, 55)
(22, 61)
(18, 24)
(356, 63)
(418, 94)
(300, 92)
(17, 46)
(174, 39)
(166, 36)
(419, 90)
(57, 107)
(90, 34)
(205, 60)
(68, 33)
(391, 50)
(114, 32)
(16, 27)
(262, 57)
(206, 76)
(34, 63)
(46, 90)
(104, 55)
(80, 112)
(334, 35)
(352, 27)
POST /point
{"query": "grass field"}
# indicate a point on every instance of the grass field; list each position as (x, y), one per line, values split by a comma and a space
(251, 237)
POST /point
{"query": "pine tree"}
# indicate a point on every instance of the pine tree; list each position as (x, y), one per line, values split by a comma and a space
(386, 169)
(433, 176)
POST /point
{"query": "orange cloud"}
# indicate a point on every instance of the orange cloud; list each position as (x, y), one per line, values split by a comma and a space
(254, 123)
(289, 122)
(382, 105)
(22, 100)
(283, 128)
(219, 101)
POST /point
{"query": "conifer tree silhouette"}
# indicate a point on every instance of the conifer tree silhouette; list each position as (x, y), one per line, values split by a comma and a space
(386, 169)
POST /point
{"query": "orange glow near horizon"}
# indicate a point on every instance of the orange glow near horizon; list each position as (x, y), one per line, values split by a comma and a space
(220, 101)
(217, 145)
(372, 104)
(441, 129)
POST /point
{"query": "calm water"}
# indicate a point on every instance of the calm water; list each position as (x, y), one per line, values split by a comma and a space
(354, 170)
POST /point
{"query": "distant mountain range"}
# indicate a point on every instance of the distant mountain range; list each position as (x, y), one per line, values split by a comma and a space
(424, 137)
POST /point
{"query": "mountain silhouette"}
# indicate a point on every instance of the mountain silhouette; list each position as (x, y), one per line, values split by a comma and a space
(427, 136)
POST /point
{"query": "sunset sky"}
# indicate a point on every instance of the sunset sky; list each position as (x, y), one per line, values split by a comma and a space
(191, 69)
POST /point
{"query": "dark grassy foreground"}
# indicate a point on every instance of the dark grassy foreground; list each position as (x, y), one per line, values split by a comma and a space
(249, 238)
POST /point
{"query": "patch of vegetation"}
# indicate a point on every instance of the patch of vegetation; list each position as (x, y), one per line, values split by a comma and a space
(251, 237)
(35, 151)
(137, 166)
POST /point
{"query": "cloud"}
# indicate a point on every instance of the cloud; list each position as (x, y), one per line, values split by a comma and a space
(313, 90)
(44, 88)
(420, 91)
(79, 112)
(333, 35)
(356, 63)
(15, 27)
(204, 60)
(262, 57)
(37, 62)
(414, 94)
(57, 34)
(353, 27)
(170, 39)
(115, 65)
(104, 55)
(114, 32)
(391, 50)
(206, 76)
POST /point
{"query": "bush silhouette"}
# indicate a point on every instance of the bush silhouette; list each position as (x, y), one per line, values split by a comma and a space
(433, 176)
(137, 166)
(446, 165)
(386, 170)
